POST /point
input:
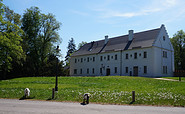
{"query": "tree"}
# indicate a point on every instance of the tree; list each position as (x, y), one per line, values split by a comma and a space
(178, 42)
(71, 48)
(10, 39)
(31, 24)
(40, 36)
(81, 44)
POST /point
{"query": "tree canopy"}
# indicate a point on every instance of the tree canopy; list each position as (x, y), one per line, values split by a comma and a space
(39, 38)
(28, 44)
(81, 44)
(10, 39)
(71, 49)
(178, 42)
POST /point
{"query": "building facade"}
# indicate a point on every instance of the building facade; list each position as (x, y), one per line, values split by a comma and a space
(148, 53)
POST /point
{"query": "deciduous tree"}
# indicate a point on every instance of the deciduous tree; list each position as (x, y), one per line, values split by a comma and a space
(81, 44)
(40, 36)
(178, 42)
(10, 39)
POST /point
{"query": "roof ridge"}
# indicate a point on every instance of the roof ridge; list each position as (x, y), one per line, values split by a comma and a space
(141, 39)
(134, 33)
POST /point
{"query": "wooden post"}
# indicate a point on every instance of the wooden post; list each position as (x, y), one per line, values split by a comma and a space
(53, 93)
(179, 78)
(133, 96)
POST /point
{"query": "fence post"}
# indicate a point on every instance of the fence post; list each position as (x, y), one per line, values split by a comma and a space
(133, 96)
(179, 78)
(53, 93)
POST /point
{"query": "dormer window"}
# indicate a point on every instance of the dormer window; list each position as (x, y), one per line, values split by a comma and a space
(116, 57)
(164, 38)
(108, 57)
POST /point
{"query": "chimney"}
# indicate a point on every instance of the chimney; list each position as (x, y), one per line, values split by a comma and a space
(130, 35)
(106, 39)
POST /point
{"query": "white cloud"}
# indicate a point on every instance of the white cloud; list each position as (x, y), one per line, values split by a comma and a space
(170, 3)
(79, 13)
(145, 9)
(109, 13)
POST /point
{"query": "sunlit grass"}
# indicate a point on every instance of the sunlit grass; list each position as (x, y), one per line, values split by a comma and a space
(108, 90)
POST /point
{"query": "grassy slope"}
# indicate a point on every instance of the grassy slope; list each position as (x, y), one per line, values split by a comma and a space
(113, 90)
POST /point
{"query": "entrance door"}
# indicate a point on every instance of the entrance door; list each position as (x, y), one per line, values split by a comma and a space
(108, 72)
(135, 70)
(130, 73)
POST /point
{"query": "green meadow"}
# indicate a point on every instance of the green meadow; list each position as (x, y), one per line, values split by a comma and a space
(103, 90)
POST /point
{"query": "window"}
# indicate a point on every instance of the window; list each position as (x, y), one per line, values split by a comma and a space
(108, 57)
(116, 57)
(145, 69)
(75, 60)
(100, 70)
(126, 69)
(135, 55)
(101, 58)
(130, 55)
(87, 71)
(93, 58)
(87, 59)
(164, 54)
(126, 56)
(81, 60)
(145, 54)
(115, 70)
(80, 71)
(93, 70)
(164, 38)
(75, 71)
(165, 70)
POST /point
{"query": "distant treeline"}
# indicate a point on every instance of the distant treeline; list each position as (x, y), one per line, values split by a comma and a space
(28, 44)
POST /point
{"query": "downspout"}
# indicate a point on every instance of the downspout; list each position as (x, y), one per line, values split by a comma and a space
(121, 63)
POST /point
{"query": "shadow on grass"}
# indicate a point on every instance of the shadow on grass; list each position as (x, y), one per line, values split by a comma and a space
(83, 104)
(49, 99)
(23, 98)
(131, 102)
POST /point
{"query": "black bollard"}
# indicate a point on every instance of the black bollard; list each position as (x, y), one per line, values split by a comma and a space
(53, 93)
(133, 96)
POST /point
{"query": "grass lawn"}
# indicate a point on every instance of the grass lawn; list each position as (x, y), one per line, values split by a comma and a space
(105, 90)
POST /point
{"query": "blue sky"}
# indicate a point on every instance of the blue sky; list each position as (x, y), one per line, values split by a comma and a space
(91, 20)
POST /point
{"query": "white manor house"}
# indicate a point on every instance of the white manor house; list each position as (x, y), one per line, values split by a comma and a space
(148, 53)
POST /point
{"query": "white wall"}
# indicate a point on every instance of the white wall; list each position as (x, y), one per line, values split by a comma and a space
(161, 44)
(97, 64)
(84, 65)
(111, 64)
(140, 61)
(154, 61)
(160, 61)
